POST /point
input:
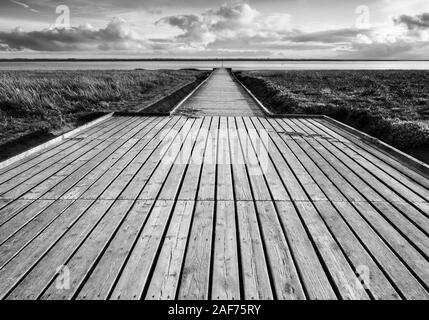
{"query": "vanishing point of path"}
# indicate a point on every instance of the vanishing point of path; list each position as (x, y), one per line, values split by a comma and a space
(220, 96)
(226, 204)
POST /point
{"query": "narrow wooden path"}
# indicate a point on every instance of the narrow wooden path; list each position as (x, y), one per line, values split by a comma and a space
(213, 207)
(220, 95)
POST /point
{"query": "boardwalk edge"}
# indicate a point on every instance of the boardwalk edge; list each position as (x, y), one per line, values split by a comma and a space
(49, 143)
(189, 95)
(400, 156)
(404, 158)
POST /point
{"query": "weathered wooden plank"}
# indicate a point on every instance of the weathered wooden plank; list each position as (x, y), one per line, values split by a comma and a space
(423, 206)
(364, 175)
(242, 189)
(390, 182)
(391, 169)
(407, 190)
(207, 185)
(158, 179)
(105, 173)
(344, 226)
(224, 188)
(313, 276)
(140, 179)
(375, 187)
(416, 262)
(256, 279)
(38, 158)
(13, 242)
(304, 178)
(362, 145)
(102, 279)
(225, 277)
(57, 184)
(173, 181)
(190, 186)
(286, 281)
(33, 231)
(408, 229)
(341, 272)
(421, 219)
(89, 174)
(118, 177)
(340, 183)
(100, 128)
(276, 147)
(166, 276)
(350, 176)
(46, 154)
(311, 167)
(195, 278)
(16, 222)
(12, 208)
(61, 168)
(4, 203)
(261, 145)
(21, 175)
(32, 268)
(80, 263)
(371, 194)
(136, 272)
(380, 251)
(317, 175)
(256, 175)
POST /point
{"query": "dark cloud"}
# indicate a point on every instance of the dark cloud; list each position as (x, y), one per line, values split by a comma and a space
(327, 36)
(257, 43)
(195, 30)
(116, 36)
(102, 7)
(417, 22)
(183, 22)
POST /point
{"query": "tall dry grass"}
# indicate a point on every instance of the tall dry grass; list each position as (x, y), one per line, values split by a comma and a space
(41, 101)
(390, 105)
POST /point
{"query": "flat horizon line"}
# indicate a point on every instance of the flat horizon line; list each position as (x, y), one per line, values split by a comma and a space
(195, 59)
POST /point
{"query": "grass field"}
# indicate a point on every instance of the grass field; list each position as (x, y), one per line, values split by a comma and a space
(390, 105)
(45, 103)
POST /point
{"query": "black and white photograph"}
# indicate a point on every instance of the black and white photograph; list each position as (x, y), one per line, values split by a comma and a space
(221, 157)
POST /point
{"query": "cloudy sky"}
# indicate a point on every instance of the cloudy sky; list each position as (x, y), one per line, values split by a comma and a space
(352, 29)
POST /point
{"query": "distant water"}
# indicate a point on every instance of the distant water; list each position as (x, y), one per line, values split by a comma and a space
(236, 65)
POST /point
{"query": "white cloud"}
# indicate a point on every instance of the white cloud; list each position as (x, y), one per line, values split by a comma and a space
(229, 23)
(232, 28)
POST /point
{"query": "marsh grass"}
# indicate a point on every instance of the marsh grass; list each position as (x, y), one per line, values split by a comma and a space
(390, 105)
(32, 101)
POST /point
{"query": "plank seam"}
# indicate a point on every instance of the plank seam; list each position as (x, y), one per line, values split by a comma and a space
(347, 223)
(304, 225)
(377, 192)
(417, 278)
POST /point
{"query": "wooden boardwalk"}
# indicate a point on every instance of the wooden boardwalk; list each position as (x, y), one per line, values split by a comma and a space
(213, 207)
(220, 95)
